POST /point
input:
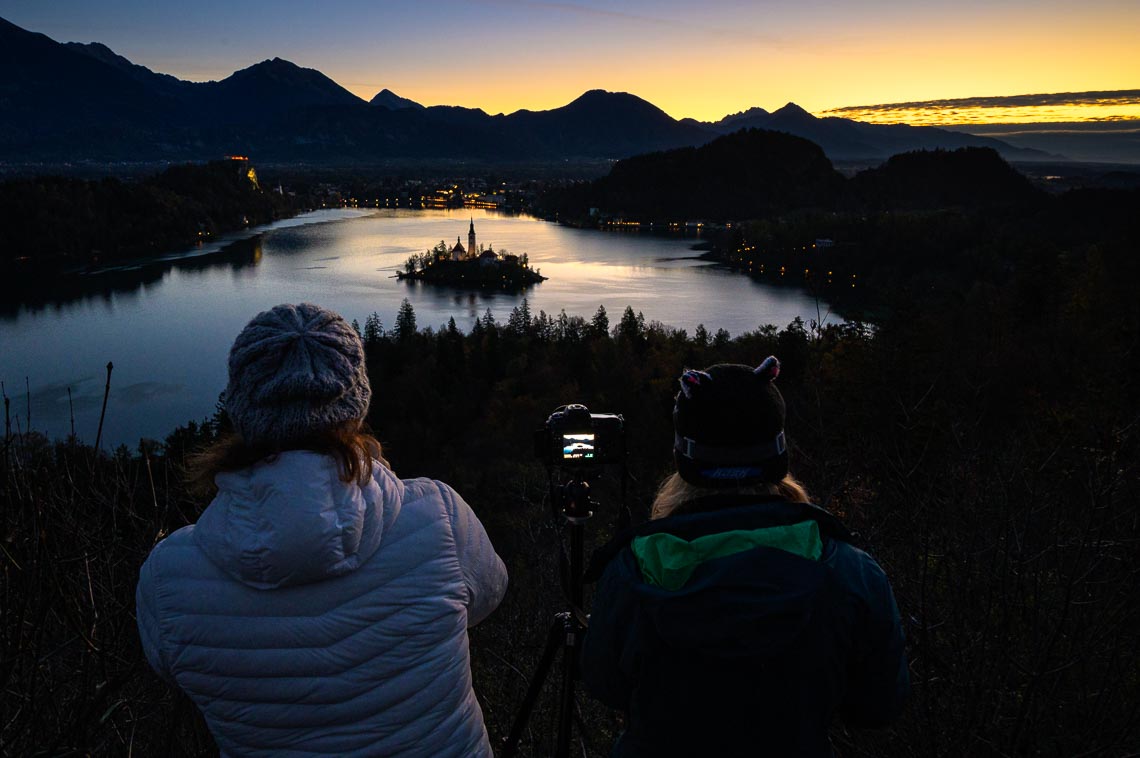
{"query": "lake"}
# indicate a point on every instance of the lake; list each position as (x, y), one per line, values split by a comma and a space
(167, 324)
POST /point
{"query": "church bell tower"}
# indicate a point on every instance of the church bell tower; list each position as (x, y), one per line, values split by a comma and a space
(471, 249)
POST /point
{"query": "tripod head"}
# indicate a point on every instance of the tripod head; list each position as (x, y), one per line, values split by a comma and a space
(572, 499)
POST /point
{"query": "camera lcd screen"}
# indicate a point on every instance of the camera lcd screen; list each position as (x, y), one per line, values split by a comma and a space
(577, 446)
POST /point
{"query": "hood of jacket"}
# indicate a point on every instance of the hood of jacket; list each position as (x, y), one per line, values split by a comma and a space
(742, 583)
(291, 520)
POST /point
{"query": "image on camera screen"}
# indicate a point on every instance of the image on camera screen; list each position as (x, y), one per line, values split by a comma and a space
(577, 446)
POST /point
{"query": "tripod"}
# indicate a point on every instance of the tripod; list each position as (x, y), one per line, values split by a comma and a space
(572, 500)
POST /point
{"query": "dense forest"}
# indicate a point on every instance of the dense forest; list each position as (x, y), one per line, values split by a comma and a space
(981, 437)
(860, 260)
(926, 221)
(753, 174)
(60, 224)
(748, 174)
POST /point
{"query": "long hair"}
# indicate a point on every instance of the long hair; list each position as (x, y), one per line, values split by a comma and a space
(674, 493)
(351, 444)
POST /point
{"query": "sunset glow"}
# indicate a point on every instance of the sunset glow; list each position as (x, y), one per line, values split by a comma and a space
(702, 60)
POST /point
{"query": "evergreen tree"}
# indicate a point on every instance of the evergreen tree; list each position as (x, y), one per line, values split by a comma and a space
(600, 324)
(405, 322)
(631, 328)
(544, 328)
(568, 328)
(519, 322)
(373, 330)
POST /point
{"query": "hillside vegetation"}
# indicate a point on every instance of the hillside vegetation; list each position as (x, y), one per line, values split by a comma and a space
(56, 224)
(754, 173)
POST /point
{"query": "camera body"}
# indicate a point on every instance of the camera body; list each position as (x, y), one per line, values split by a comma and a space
(572, 435)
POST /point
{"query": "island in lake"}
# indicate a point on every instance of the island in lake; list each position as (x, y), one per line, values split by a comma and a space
(472, 266)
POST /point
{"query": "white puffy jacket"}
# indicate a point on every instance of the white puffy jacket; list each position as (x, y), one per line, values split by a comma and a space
(307, 616)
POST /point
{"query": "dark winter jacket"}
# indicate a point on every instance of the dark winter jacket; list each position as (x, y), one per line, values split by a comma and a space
(741, 630)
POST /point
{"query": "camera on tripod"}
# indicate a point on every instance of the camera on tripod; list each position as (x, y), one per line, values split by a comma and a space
(572, 435)
(570, 441)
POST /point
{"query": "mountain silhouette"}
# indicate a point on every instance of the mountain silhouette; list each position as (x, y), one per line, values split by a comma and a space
(393, 102)
(603, 124)
(59, 103)
(845, 139)
(141, 74)
(271, 87)
(77, 102)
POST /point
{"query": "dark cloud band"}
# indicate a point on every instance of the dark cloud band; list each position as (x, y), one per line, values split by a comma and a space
(1102, 98)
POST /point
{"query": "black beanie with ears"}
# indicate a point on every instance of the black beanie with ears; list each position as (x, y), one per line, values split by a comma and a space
(728, 424)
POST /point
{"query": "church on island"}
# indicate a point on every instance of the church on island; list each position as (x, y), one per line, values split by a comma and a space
(458, 253)
(470, 267)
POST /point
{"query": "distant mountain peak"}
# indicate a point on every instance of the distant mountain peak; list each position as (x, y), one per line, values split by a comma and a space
(386, 98)
(281, 84)
(600, 98)
(754, 112)
(272, 64)
(600, 95)
(98, 47)
(141, 74)
(790, 110)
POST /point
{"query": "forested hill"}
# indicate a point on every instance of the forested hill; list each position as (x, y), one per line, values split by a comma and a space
(53, 224)
(754, 174)
(743, 175)
(969, 177)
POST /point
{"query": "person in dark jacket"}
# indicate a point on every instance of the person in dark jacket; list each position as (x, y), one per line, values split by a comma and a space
(740, 619)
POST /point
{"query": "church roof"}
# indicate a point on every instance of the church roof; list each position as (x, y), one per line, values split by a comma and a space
(458, 246)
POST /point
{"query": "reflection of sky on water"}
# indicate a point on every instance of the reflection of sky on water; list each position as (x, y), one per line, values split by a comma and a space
(167, 326)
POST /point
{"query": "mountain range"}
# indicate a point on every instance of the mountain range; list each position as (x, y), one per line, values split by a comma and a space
(83, 102)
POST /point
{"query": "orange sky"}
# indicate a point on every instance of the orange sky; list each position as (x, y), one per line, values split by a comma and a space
(703, 60)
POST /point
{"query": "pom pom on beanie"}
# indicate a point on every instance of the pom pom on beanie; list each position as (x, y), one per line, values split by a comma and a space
(293, 371)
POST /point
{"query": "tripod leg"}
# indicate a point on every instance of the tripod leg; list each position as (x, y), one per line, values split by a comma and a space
(554, 639)
(569, 676)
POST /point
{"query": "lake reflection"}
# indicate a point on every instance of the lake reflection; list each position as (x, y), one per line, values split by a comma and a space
(168, 325)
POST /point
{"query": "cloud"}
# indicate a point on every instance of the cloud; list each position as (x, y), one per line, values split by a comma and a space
(142, 392)
(1099, 98)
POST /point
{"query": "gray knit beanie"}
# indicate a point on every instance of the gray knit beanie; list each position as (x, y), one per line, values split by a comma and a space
(295, 370)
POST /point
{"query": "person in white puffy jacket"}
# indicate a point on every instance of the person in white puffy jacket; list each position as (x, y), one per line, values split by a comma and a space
(320, 605)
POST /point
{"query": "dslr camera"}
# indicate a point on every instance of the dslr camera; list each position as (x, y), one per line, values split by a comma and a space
(572, 435)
